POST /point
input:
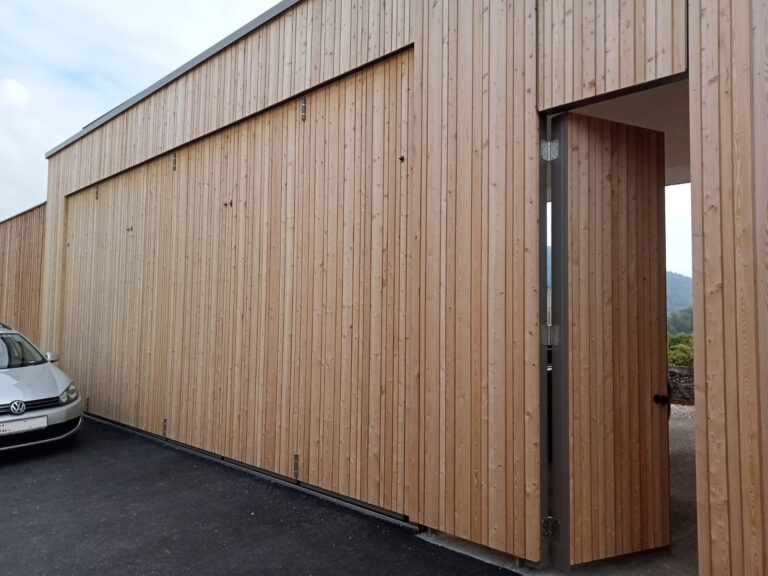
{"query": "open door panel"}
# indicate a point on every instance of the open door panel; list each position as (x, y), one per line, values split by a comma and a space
(615, 334)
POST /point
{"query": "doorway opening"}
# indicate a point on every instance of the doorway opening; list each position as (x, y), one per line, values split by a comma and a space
(662, 109)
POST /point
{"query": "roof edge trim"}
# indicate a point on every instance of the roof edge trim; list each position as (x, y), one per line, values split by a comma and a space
(254, 24)
(35, 207)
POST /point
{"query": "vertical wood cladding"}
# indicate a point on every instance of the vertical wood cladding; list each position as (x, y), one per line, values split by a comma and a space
(592, 47)
(729, 131)
(21, 264)
(257, 329)
(369, 301)
(619, 443)
(309, 44)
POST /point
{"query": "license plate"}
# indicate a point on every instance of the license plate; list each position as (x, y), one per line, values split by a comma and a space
(16, 426)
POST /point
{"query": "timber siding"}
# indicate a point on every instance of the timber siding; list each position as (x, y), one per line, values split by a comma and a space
(21, 266)
(367, 302)
(360, 287)
(729, 131)
(589, 48)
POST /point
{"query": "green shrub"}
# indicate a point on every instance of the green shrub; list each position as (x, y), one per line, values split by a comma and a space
(680, 338)
(680, 355)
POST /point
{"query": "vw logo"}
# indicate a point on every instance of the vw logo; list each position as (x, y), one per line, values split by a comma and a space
(18, 407)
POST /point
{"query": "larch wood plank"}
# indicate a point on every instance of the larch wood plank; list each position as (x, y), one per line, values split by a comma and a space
(496, 280)
(595, 431)
(532, 439)
(627, 48)
(663, 38)
(679, 35)
(600, 48)
(757, 550)
(699, 327)
(515, 283)
(713, 309)
(476, 524)
(633, 319)
(640, 49)
(558, 77)
(485, 278)
(729, 327)
(463, 271)
(431, 241)
(347, 337)
(569, 77)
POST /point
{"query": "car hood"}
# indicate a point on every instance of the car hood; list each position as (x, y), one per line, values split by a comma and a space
(32, 383)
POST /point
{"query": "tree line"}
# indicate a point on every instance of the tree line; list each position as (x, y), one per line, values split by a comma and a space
(680, 338)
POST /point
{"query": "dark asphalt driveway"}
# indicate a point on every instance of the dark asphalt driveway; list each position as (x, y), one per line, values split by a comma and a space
(114, 502)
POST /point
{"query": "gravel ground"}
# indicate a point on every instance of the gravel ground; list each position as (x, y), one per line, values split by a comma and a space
(681, 411)
(680, 387)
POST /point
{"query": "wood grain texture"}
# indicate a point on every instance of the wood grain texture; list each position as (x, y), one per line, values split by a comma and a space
(759, 137)
(309, 44)
(347, 306)
(402, 408)
(306, 46)
(21, 267)
(728, 175)
(198, 267)
(592, 47)
(617, 309)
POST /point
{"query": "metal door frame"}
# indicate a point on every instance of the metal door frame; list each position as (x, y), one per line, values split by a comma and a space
(555, 477)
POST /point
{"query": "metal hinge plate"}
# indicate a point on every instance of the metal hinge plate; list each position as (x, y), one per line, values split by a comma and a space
(550, 529)
(550, 335)
(550, 150)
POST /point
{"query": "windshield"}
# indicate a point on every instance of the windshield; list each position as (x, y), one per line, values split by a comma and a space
(16, 351)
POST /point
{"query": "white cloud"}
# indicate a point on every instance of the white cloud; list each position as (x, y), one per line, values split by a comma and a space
(13, 94)
(64, 63)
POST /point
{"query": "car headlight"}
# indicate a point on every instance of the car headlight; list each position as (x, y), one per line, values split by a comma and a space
(69, 395)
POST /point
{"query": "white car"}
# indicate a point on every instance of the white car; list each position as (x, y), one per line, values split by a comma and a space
(38, 402)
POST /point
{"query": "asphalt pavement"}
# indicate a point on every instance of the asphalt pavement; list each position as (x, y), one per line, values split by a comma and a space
(114, 502)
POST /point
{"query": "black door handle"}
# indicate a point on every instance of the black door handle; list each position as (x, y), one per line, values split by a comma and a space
(662, 399)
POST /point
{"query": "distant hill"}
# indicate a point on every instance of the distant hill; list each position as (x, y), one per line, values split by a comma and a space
(679, 287)
(679, 292)
(549, 265)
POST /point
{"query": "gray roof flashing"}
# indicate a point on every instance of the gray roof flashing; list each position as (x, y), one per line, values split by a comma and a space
(257, 22)
(21, 214)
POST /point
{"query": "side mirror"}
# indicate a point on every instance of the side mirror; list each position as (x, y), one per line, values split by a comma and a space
(52, 356)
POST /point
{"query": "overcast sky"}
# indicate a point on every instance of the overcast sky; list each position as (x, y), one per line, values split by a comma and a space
(678, 225)
(64, 63)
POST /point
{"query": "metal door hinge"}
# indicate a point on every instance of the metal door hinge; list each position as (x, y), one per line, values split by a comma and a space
(550, 335)
(550, 150)
(550, 529)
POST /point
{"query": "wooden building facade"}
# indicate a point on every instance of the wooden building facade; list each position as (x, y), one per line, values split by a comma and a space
(21, 269)
(316, 249)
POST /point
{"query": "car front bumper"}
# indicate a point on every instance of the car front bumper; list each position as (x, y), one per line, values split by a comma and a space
(63, 421)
